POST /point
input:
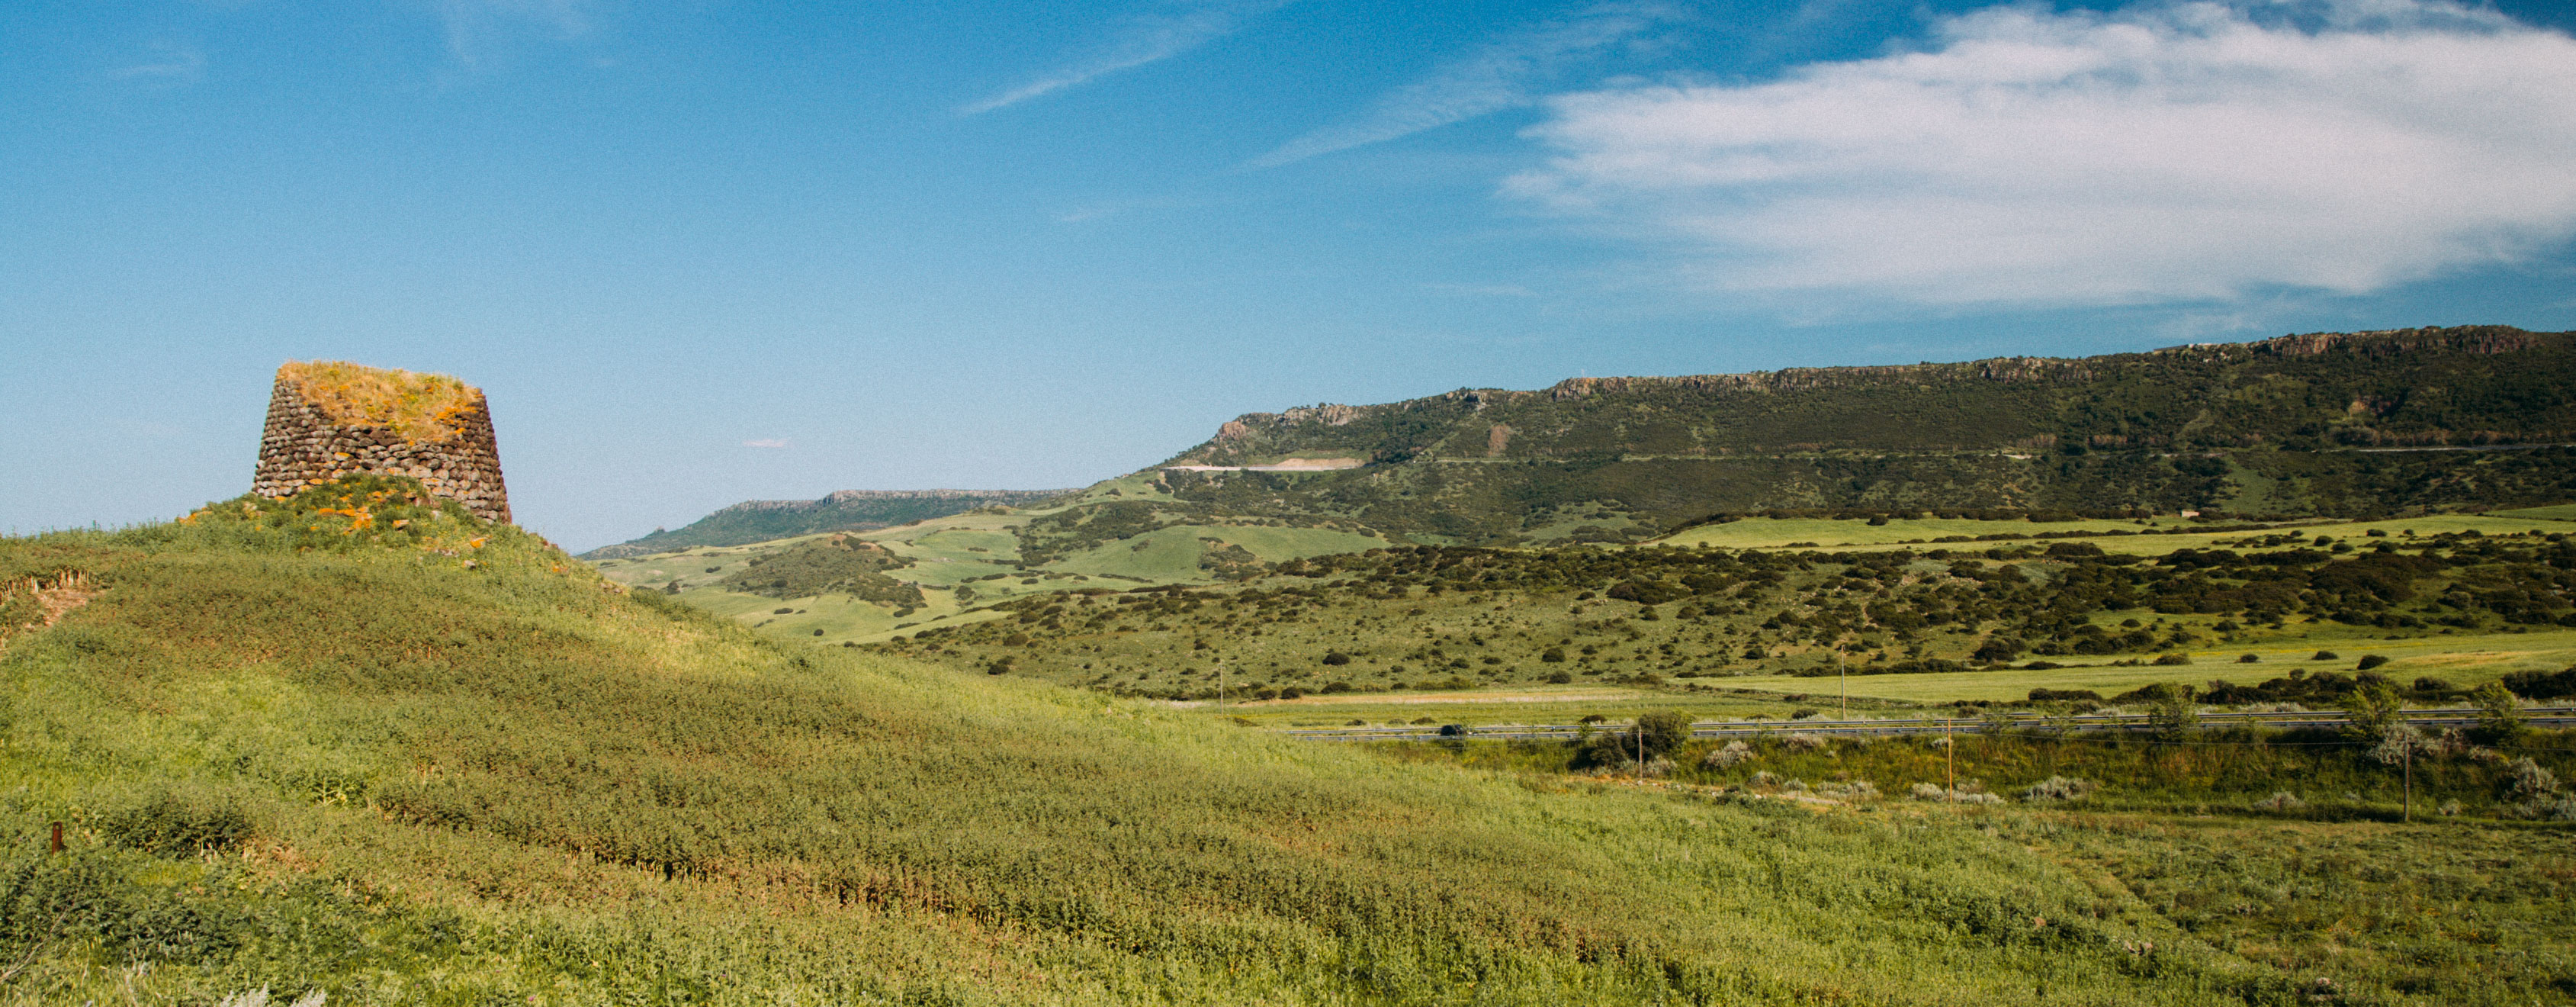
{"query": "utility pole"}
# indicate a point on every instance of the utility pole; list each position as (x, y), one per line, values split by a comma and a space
(1842, 681)
(1950, 753)
(2410, 781)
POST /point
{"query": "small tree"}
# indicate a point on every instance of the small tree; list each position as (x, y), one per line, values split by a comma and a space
(1654, 736)
(2370, 708)
(2171, 714)
(2499, 714)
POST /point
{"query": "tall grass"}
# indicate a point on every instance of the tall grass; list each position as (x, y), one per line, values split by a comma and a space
(303, 755)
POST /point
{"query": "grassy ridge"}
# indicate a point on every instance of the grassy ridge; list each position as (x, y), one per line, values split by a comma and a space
(2353, 425)
(451, 767)
(848, 510)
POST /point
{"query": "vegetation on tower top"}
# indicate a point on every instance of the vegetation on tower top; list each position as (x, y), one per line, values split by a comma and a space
(419, 407)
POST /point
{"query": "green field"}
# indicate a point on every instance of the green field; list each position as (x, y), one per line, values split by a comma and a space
(439, 763)
(1373, 635)
(2562, 512)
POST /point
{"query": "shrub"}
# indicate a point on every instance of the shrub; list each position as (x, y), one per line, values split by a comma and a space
(1804, 742)
(2553, 809)
(2542, 684)
(2398, 742)
(2281, 800)
(1336, 658)
(1559, 678)
(180, 823)
(2170, 660)
(1336, 688)
(2327, 655)
(2250, 659)
(2499, 715)
(2369, 661)
(2058, 788)
(2529, 780)
(1731, 753)
(1552, 655)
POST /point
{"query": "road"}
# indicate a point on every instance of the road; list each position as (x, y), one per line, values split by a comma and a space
(2545, 716)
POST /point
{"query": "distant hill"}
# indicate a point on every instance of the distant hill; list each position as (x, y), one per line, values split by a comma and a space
(847, 510)
(2362, 425)
(2347, 424)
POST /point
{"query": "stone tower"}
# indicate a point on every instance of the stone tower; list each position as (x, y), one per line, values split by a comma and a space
(328, 419)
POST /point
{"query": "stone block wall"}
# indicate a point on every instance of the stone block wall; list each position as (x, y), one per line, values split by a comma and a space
(304, 446)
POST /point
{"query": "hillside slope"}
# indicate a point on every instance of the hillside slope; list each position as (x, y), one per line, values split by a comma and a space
(359, 743)
(846, 510)
(2327, 424)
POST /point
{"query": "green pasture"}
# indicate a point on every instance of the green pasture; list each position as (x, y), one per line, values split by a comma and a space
(1171, 554)
(2463, 661)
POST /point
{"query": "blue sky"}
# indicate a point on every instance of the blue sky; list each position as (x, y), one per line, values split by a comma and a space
(703, 252)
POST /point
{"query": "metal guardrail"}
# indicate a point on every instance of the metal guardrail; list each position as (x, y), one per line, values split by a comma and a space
(2544, 716)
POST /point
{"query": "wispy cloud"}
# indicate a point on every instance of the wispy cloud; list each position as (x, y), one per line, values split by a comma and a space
(2161, 153)
(1140, 40)
(778, 442)
(170, 63)
(1508, 72)
(474, 26)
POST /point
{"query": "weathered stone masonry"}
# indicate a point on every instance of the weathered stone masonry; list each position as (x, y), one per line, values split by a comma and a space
(303, 446)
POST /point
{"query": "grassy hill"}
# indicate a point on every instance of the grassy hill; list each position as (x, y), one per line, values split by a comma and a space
(847, 510)
(354, 744)
(2361, 424)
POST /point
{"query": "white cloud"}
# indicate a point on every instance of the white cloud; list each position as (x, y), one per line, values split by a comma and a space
(2161, 153)
(1505, 73)
(171, 64)
(1143, 39)
(778, 442)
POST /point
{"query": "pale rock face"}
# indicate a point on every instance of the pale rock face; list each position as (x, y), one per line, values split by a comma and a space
(303, 446)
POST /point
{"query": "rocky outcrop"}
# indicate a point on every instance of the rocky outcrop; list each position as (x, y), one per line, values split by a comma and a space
(329, 421)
